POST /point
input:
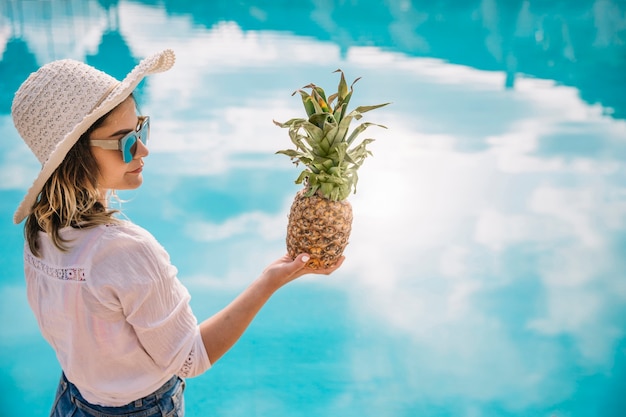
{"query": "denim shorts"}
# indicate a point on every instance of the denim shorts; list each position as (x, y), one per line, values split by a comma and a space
(167, 401)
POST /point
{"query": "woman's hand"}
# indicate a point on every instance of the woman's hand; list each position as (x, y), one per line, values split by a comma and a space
(285, 270)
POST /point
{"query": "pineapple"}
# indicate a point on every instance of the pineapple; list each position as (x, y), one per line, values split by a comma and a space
(320, 219)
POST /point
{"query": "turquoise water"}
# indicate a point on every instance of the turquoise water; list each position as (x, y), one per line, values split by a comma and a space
(486, 270)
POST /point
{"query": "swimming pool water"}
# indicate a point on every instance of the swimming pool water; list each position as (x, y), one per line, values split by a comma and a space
(486, 270)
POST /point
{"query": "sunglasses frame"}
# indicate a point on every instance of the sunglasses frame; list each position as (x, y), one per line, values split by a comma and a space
(125, 144)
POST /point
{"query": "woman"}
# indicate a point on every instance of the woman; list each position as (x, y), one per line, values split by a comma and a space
(102, 289)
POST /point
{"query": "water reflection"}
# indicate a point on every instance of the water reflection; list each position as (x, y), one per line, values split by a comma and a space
(113, 54)
(486, 270)
(568, 42)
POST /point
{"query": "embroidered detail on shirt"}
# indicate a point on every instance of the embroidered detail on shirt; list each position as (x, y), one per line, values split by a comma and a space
(186, 368)
(66, 274)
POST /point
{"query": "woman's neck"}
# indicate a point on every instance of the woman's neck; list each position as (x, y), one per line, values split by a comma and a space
(104, 197)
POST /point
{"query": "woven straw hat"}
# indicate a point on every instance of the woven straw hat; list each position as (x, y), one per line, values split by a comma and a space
(59, 102)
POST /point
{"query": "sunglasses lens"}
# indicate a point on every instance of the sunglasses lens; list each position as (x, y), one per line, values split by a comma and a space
(129, 147)
(129, 143)
(144, 132)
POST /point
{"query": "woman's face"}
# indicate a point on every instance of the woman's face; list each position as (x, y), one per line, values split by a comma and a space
(114, 173)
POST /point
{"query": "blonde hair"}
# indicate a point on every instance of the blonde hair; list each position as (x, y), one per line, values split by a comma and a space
(70, 197)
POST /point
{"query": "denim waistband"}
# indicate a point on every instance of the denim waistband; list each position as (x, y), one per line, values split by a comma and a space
(153, 396)
(164, 388)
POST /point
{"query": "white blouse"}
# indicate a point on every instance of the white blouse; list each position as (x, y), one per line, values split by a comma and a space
(114, 311)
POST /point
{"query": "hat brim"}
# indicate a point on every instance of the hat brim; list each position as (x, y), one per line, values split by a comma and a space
(156, 63)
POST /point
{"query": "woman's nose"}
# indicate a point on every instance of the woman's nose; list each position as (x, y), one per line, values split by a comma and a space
(142, 150)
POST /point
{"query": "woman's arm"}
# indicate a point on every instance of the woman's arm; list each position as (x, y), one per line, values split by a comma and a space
(221, 331)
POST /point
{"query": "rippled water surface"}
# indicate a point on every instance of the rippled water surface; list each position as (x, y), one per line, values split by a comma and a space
(486, 270)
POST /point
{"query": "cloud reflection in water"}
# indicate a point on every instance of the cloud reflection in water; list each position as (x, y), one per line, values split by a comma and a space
(489, 257)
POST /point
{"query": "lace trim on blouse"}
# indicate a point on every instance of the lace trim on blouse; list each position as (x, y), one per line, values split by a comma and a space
(64, 274)
(186, 368)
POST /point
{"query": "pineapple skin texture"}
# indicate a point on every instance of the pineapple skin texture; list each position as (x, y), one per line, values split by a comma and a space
(319, 227)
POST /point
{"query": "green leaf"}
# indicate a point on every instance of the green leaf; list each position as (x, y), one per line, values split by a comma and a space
(307, 101)
(313, 131)
(363, 109)
(342, 89)
(338, 112)
(360, 152)
(319, 119)
(319, 100)
(289, 152)
(288, 123)
(359, 129)
(303, 176)
(354, 82)
(344, 106)
(320, 92)
(342, 130)
(331, 99)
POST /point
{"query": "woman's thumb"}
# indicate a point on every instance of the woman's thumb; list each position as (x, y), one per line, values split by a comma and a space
(302, 259)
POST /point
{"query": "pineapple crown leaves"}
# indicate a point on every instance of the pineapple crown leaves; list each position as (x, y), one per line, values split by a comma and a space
(323, 143)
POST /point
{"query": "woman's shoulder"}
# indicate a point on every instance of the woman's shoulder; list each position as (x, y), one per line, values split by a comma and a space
(118, 230)
(121, 236)
(124, 229)
(126, 243)
(127, 235)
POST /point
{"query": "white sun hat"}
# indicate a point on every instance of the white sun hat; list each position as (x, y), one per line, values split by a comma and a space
(59, 102)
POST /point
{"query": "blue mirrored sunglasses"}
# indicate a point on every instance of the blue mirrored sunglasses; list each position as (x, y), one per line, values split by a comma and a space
(127, 144)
